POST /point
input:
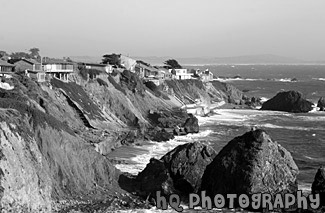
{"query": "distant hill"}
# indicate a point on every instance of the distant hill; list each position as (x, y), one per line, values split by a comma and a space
(88, 59)
(248, 59)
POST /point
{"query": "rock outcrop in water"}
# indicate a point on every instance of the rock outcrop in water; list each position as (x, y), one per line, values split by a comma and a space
(178, 171)
(251, 163)
(191, 124)
(318, 186)
(289, 101)
(321, 104)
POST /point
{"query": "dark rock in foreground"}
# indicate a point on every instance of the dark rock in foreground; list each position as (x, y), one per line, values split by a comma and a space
(251, 163)
(289, 101)
(318, 185)
(179, 171)
(321, 104)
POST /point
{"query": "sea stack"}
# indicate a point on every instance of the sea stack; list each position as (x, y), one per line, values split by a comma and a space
(321, 104)
(318, 186)
(178, 171)
(251, 163)
(289, 101)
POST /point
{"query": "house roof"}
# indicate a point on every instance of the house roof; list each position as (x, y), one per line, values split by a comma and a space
(4, 63)
(36, 71)
(152, 69)
(94, 64)
(55, 61)
(30, 61)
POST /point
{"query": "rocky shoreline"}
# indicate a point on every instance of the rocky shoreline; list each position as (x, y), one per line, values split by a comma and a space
(55, 138)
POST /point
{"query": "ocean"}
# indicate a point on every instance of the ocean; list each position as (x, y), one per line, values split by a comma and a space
(303, 135)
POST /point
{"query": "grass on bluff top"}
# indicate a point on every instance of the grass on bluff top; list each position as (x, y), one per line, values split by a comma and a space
(78, 95)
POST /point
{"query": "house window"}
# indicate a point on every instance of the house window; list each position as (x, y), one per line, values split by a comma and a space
(37, 67)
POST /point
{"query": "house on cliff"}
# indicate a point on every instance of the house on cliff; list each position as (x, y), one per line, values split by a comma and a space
(144, 70)
(206, 76)
(6, 67)
(128, 63)
(31, 67)
(94, 66)
(23, 64)
(58, 68)
(180, 74)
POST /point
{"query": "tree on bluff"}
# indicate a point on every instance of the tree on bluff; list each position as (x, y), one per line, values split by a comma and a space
(112, 59)
(173, 64)
(34, 53)
(3, 53)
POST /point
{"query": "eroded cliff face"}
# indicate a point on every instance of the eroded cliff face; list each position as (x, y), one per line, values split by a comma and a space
(41, 164)
(25, 181)
(190, 90)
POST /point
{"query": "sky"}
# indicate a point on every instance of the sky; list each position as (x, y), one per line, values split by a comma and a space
(177, 28)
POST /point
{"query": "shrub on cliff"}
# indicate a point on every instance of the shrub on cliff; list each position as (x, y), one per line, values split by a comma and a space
(102, 82)
(116, 85)
(132, 82)
(92, 73)
(156, 90)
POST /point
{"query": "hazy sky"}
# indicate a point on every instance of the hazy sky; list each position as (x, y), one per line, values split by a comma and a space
(179, 28)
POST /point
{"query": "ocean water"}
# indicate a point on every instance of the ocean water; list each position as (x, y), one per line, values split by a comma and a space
(267, 80)
(303, 135)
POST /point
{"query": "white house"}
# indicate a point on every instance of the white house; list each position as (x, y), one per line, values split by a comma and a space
(128, 63)
(206, 76)
(58, 68)
(180, 74)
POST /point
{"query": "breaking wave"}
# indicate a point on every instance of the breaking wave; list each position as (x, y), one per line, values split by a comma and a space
(157, 150)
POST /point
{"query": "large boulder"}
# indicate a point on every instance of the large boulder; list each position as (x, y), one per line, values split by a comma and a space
(158, 135)
(179, 171)
(321, 104)
(251, 163)
(318, 186)
(191, 124)
(289, 101)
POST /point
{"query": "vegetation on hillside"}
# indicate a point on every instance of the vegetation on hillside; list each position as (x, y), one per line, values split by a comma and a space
(112, 59)
(173, 64)
(20, 98)
(156, 90)
(91, 73)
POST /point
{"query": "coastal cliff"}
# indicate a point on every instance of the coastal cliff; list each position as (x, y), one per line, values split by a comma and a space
(55, 135)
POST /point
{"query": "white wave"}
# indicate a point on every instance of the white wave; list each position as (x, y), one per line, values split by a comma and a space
(272, 126)
(320, 116)
(239, 79)
(284, 80)
(157, 150)
(305, 187)
(319, 79)
(238, 117)
(264, 99)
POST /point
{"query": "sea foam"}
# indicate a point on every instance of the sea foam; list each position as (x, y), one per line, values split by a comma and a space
(157, 150)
